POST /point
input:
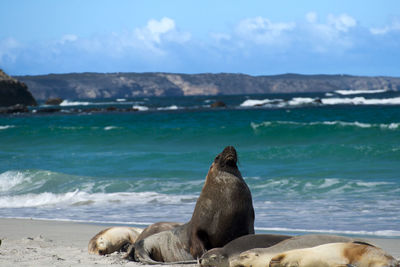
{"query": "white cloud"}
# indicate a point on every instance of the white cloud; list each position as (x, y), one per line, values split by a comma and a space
(341, 23)
(8, 49)
(262, 31)
(331, 36)
(394, 26)
(155, 31)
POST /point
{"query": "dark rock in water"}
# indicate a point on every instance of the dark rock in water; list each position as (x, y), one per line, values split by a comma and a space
(218, 104)
(13, 92)
(54, 101)
(111, 109)
(318, 101)
(18, 108)
(48, 110)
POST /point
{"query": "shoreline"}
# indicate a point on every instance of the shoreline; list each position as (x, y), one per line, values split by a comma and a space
(64, 243)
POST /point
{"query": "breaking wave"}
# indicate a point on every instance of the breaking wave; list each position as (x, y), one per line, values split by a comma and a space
(359, 92)
(307, 101)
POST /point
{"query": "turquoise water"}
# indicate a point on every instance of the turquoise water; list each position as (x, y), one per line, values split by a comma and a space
(330, 165)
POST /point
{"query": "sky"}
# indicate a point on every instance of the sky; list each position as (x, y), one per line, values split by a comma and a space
(356, 37)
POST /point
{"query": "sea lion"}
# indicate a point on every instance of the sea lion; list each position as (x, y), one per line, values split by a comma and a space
(219, 256)
(260, 257)
(157, 228)
(223, 212)
(151, 230)
(335, 255)
(113, 239)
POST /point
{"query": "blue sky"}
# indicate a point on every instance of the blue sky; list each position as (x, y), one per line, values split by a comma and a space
(254, 37)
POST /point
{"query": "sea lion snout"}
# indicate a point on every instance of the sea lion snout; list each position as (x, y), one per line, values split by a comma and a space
(229, 156)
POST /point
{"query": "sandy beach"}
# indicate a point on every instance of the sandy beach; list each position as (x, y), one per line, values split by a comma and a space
(27, 242)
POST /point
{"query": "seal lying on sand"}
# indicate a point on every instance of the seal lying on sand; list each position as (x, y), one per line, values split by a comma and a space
(335, 255)
(219, 256)
(113, 239)
(260, 257)
(151, 230)
(157, 228)
(223, 212)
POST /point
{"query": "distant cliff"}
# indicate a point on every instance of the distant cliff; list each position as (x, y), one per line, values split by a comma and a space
(124, 85)
(13, 92)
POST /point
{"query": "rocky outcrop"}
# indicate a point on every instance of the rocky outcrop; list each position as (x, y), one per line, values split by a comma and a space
(218, 104)
(14, 93)
(125, 85)
(54, 101)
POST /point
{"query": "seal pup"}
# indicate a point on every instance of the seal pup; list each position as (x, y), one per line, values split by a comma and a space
(335, 255)
(113, 239)
(223, 212)
(260, 257)
(220, 256)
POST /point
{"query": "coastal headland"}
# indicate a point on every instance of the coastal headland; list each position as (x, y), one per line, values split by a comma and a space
(127, 85)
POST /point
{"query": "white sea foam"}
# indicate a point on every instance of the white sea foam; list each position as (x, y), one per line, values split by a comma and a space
(121, 100)
(255, 102)
(173, 107)
(74, 103)
(5, 127)
(391, 126)
(10, 179)
(386, 233)
(361, 101)
(306, 101)
(81, 198)
(107, 128)
(297, 101)
(140, 108)
(357, 92)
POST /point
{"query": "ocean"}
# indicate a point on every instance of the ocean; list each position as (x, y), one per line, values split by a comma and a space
(315, 163)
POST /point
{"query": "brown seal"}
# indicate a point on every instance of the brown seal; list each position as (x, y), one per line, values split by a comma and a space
(113, 239)
(223, 212)
(220, 256)
(260, 257)
(335, 255)
(148, 231)
(157, 228)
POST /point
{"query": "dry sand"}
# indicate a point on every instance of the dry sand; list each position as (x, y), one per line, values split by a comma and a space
(53, 243)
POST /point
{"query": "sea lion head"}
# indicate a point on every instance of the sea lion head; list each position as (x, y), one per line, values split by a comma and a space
(246, 259)
(227, 161)
(214, 257)
(99, 244)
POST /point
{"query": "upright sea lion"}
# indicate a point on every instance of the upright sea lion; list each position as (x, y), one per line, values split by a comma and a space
(335, 255)
(220, 256)
(260, 257)
(223, 212)
(113, 239)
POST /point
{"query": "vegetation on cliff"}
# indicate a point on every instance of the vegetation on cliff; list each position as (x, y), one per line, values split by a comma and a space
(13, 92)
